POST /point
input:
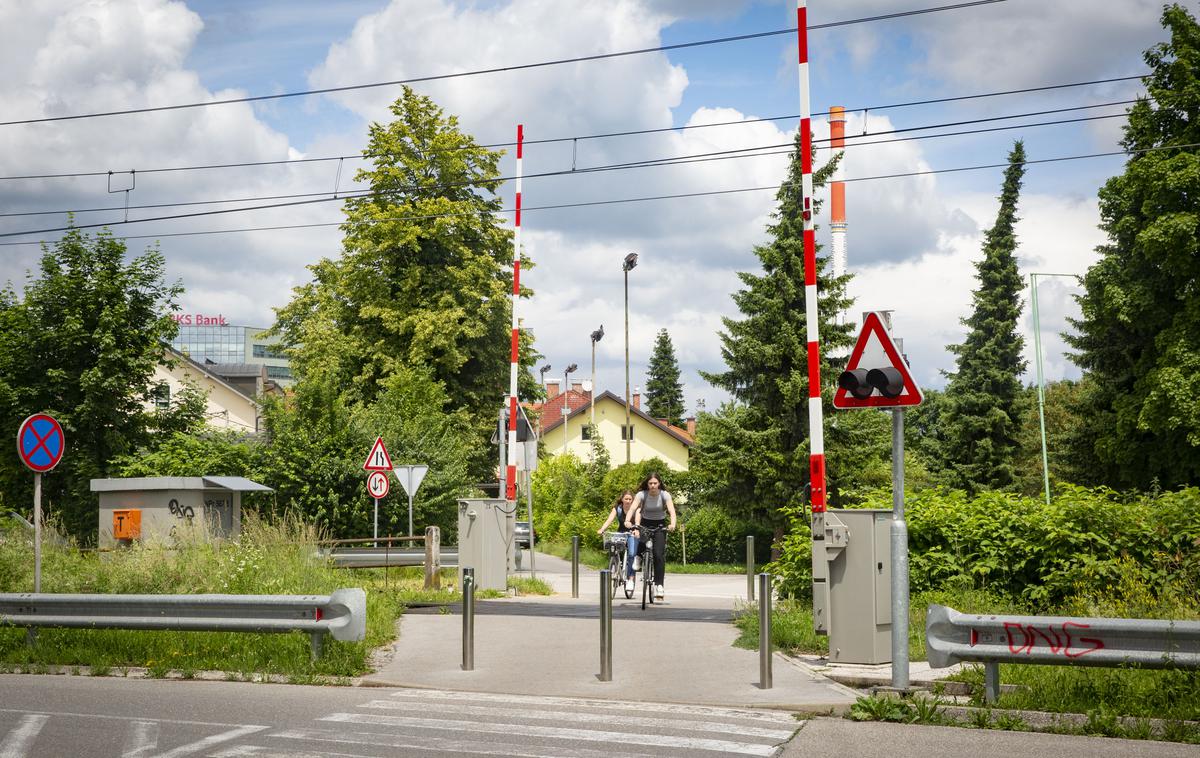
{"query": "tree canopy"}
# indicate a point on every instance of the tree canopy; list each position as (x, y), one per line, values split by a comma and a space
(1138, 336)
(664, 392)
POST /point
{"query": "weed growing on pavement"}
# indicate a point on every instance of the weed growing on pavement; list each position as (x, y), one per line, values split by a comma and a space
(876, 708)
(927, 710)
(526, 585)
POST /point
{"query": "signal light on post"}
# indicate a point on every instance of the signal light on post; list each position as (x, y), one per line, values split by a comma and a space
(860, 383)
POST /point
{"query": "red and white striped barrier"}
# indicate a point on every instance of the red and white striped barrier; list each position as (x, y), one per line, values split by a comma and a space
(510, 490)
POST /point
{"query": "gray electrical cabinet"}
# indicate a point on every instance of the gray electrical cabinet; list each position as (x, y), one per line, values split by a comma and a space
(485, 541)
(858, 574)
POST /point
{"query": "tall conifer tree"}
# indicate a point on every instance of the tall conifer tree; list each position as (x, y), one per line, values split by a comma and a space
(664, 393)
(980, 419)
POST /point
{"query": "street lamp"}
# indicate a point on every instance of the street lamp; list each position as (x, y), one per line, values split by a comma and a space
(627, 266)
(596, 337)
(542, 379)
(566, 405)
(1037, 341)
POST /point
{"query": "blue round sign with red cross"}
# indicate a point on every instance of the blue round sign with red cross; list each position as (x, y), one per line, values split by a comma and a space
(40, 442)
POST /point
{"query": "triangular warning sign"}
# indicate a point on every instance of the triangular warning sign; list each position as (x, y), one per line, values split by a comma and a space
(378, 459)
(876, 350)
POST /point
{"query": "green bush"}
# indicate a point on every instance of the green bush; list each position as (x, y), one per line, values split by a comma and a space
(714, 536)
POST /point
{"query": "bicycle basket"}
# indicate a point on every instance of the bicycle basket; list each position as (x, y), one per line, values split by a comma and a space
(614, 539)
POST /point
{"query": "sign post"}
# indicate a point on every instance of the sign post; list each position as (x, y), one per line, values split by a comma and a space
(410, 479)
(378, 463)
(877, 376)
(40, 445)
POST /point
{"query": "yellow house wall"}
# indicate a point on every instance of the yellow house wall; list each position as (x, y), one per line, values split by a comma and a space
(648, 440)
(225, 406)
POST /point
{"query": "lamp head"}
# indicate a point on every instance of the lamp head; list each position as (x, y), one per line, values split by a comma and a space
(598, 334)
(571, 368)
(544, 369)
(630, 262)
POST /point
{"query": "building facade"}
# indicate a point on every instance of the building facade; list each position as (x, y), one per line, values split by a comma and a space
(212, 340)
(648, 437)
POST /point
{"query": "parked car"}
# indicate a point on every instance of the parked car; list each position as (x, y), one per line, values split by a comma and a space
(521, 534)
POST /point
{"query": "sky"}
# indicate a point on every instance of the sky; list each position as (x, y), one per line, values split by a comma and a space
(913, 242)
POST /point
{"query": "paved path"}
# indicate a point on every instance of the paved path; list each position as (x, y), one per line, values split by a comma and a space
(679, 651)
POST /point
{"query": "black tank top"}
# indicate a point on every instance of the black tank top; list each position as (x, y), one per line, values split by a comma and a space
(621, 519)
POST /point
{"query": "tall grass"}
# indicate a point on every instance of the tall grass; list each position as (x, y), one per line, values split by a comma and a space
(268, 558)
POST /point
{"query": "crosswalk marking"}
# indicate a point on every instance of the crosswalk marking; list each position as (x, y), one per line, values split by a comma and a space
(634, 723)
(207, 742)
(588, 735)
(776, 717)
(142, 739)
(455, 746)
(16, 743)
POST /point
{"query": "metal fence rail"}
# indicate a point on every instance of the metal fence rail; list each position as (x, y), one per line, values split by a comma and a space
(952, 637)
(342, 615)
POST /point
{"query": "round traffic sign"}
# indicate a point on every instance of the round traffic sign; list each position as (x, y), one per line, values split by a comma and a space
(40, 442)
(377, 484)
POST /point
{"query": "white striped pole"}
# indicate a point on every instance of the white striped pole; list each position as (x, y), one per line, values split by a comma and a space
(816, 427)
(510, 489)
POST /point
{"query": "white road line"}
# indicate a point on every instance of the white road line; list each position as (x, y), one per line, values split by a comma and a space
(142, 739)
(587, 735)
(16, 744)
(76, 715)
(237, 751)
(207, 742)
(519, 715)
(430, 743)
(776, 717)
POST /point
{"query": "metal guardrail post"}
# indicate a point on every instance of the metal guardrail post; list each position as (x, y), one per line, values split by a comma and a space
(433, 557)
(750, 568)
(316, 644)
(764, 631)
(991, 681)
(468, 632)
(605, 625)
(575, 566)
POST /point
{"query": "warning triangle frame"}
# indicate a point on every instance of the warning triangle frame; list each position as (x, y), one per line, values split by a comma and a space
(910, 396)
(378, 450)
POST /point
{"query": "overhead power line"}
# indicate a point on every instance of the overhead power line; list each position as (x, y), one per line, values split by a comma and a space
(501, 69)
(259, 164)
(616, 201)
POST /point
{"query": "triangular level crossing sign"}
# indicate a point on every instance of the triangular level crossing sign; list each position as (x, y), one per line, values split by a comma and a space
(378, 459)
(876, 350)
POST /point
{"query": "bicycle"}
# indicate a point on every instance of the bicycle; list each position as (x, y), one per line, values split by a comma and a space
(618, 555)
(648, 578)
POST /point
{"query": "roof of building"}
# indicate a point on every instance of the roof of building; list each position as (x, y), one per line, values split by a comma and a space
(209, 371)
(670, 429)
(143, 483)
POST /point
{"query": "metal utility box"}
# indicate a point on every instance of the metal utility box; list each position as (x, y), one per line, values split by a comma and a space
(485, 541)
(163, 504)
(858, 559)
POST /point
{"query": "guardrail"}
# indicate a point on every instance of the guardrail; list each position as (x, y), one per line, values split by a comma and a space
(342, 615)
(952, 637)
(432, 556)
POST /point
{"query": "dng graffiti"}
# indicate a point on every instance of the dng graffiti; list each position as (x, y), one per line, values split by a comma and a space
(1057, 638)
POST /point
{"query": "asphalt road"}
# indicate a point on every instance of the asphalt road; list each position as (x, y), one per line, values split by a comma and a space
(97, 717)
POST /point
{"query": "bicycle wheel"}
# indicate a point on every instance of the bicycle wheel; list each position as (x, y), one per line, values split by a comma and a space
(614, 573)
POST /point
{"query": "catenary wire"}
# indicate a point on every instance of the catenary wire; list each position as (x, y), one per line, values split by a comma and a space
(501, 69)
(647, 163)
(618, 201)
(363, 156)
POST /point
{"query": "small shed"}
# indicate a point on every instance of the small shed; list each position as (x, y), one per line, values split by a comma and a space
(152, 507)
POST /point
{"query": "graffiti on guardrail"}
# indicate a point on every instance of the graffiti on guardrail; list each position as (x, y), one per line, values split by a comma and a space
(1057, 638)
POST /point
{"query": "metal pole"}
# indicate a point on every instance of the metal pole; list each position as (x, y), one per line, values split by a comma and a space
(410, 526)
(592, 399)
(37, 532)
(532, 538)
(566, 410)
(1037, 351)
(750, 568)
(899, 558)
(575, 566)
(315, 644)
(764, 631)
(627, 431)
(468, 632)
(991, 681)
(605, 626)
(375, 536)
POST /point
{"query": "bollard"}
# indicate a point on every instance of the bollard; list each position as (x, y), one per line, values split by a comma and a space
(433, 557)
(750, 568)
(575, 566)
(605, 625)
(991, 682)
(764, 631)
(316, 643)
(468, 634)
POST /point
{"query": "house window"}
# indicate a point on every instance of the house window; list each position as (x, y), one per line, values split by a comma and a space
(162, 396)
(626, 432)
(586, 432)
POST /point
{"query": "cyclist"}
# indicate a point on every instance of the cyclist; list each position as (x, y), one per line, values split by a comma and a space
(652, 505)
(620, 513)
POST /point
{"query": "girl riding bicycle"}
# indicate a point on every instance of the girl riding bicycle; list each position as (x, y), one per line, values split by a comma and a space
(620, 513)
(651, 507)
